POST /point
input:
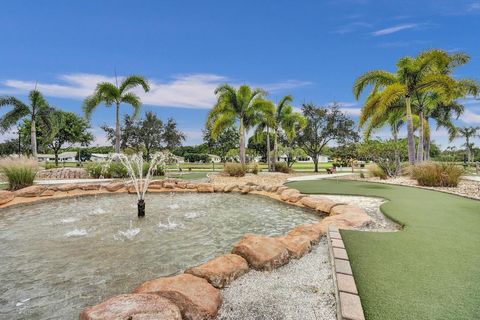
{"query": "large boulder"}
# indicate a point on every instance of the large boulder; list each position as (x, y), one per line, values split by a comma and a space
(133, 307)
(345, 208)
(221, 270)
(182, 184)
(311, 202)
(281, 189)
(262, 253)
(205, 187)
(311, 231)
(325, 205)
(169, 185)
(245, 189)
(191, 186)
(348, 219)
(68, 187)
(6, 196)
(90, 186)
(230, 188)
(297, 245)
(32, 191)
(218, 188)
(196, 298)
(290, 194)
(47, 193)
(114, 186)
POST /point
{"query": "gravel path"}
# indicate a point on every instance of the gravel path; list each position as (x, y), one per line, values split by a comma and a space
(301, 290)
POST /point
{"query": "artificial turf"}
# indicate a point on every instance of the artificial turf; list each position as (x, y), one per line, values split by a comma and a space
(428, 270)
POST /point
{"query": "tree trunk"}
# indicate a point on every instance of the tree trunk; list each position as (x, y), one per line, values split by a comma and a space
(397, 153)
(411, 141)
(33, 138)
(421, 135)
(56, 157)
(468, 148)
(275, 149)
(315, 162)
(268, 151)
(117, 129)
(242, 142)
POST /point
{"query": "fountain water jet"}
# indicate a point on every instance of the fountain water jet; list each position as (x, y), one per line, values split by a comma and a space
(134, 165)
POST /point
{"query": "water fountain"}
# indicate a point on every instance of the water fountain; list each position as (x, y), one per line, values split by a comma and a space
(135, 167)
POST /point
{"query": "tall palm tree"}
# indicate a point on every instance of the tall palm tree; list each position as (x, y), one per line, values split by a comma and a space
(265, 123)
(38, 107)
(414, 75)
(242, 105)
(109, 94)
(468, 133)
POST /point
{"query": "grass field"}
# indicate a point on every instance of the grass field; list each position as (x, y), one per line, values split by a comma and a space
(428, 270)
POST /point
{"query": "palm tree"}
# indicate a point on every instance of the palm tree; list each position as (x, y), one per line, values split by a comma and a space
(414, 75)
(38, 107)
(265, 123)
(109, 93)
(243, 105)
(468, 133)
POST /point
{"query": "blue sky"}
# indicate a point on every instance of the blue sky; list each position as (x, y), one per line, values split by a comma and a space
(311, 49)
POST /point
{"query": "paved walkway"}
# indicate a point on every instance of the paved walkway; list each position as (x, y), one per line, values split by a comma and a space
(319, 176)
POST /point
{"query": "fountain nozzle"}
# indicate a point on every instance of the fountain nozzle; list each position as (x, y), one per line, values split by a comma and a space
(141, 208)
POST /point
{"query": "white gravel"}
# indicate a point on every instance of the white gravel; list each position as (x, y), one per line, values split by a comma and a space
(301, 290)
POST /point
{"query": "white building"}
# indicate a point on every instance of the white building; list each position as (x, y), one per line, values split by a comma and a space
(214, 158)
(305, 159)
(99, 157)
(62, 157)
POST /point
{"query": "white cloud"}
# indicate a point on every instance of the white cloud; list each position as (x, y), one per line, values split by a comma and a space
(351, 111)
(181, 91)
(470, 117)
(395, 29)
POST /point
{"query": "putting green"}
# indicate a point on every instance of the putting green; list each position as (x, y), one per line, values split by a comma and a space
(428, 270)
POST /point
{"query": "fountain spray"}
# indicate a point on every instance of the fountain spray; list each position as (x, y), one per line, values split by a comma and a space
(134, 165)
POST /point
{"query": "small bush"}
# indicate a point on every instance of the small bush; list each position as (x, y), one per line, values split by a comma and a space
(19, 172)
(254, 168)
(50, 165)
(235, 169)
(281, 167)
(431, 174)
(376, 171)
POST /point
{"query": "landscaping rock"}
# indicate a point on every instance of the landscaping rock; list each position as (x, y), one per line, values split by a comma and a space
(281, 189)
(196, 298)
(311, 202)
(345, 208)
(90, 186)
(68, 187)
(230, 188)
(291, 195)
(262, 253)
(169, 185)
(325, 205)
(297, 245)
(191, 186)
(47, 193)
(6, 196)
(205, 187)
(222, 270)
(156, 183)
(133, 307)
(312, 231)
(32, 191)
(218, 188)
(182, 184)
(114, 186)
(62, 173)
(245, 189)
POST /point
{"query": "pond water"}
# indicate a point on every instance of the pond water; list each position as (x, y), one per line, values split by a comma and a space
(59, 256)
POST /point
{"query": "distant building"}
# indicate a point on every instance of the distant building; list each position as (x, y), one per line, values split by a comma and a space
(305, 159)
(180, 159)
(99, 157)
(62, 157)
(214, 158)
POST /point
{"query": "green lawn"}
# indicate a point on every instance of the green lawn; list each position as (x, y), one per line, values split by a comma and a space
(430, 269)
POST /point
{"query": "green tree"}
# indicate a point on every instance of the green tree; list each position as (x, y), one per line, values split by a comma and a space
(468, 133)
(151, 133)
(60, 128)
(324, 125)
(242, 106)
(172, 136)
(226, 140)
(129, 134)
(114, 94)
(37, 107)
(414, 76)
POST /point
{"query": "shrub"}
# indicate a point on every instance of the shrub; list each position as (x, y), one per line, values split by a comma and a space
(431, 174)
(235, 169)
(50, 165)
(196, 157)
(376, 171)
(19, 172)
(281, 167)
(254, 168)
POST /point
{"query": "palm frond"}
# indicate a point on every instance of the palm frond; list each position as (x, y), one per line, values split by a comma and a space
(10, 118)
(133, 100)
(378, 78)
(133, 81)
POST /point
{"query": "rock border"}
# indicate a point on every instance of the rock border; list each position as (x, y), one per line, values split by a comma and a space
(349, 305)
(196, 291)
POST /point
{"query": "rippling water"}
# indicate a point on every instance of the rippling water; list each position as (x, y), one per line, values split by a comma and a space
(60, 256)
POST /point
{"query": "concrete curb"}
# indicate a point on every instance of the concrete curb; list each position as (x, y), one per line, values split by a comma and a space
(349, 306)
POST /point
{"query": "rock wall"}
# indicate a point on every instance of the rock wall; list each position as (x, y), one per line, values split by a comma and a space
(62, 173)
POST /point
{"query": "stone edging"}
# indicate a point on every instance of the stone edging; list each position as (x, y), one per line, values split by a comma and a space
(349, 306)
(194, 294)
